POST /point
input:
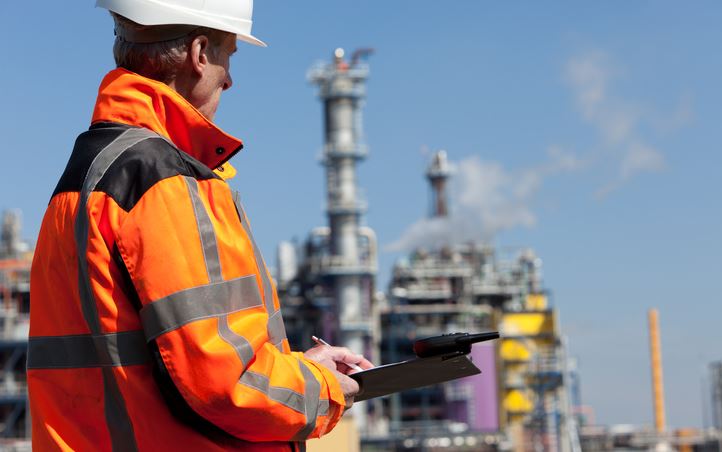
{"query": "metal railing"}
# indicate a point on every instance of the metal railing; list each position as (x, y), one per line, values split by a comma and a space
(341, 265)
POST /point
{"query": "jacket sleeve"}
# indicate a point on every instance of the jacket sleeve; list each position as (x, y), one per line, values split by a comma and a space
(206, 304)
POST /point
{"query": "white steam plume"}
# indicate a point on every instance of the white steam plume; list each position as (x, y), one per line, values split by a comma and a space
(487, 199)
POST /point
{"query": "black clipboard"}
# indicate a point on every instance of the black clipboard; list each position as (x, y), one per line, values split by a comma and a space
(415, 373)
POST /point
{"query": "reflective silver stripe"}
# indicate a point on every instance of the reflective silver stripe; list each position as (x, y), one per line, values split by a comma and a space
(120, 427)
(202, 302)
(260, 263)
(312, 395)
(284, 396)
(206, 233)
(276, 330)
(97, 169)
(323, 407)
(116, 414)
(238, 342)
(255, 381)
(70, 352)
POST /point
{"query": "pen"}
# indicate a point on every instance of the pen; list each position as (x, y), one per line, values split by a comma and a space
(320, 341)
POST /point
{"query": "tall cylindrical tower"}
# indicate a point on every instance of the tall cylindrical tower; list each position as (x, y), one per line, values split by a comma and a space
(438, 174)
(349, 266)
(10, 242)
(715, 373)
(655, 350)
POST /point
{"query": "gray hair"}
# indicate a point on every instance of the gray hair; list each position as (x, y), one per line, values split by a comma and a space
(158, 60)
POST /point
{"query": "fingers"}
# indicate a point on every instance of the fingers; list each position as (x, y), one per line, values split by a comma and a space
(344, 355)
(319, 355)
(335, 354)
(357, 362)
(346, 369)
(338, 358)
(349, 387)
(353, 364)
(341, 354)
(364, 363)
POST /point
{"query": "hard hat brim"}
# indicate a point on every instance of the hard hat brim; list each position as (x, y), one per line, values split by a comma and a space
(150, 13)
(250, 39)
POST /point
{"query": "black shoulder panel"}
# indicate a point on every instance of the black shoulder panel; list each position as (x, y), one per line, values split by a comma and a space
(135, 171)
(144, 165)
(87, 146)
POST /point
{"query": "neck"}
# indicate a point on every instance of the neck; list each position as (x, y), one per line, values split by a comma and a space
(187, 85)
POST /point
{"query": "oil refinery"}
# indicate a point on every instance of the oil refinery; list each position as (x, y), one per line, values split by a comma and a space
(527, 397)
(520, 401)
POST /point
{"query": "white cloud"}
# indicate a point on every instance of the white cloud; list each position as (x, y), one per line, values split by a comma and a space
(590, 75)
(562, 160)
(640, 157)
(616, 119)
(489, 198)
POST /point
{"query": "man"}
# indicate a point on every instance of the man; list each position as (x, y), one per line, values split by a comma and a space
(154, 322)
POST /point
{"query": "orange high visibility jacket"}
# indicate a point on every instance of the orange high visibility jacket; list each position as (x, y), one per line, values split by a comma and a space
(154, 324)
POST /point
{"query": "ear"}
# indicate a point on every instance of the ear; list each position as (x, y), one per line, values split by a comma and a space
(198, 53)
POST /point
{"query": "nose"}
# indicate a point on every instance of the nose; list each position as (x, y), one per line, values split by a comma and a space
(229, 81)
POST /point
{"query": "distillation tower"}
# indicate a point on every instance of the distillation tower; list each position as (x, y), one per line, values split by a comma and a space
(342, 90)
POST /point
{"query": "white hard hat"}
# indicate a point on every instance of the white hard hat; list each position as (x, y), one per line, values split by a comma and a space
(233, 16)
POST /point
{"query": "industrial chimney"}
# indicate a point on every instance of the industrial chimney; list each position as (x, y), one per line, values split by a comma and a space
(438, 174)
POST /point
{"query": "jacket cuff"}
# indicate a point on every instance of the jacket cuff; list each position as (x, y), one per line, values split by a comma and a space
(331, 388)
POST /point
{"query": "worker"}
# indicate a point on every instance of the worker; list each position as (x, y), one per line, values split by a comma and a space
(154, 322)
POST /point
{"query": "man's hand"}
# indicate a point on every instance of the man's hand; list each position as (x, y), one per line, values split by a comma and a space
(338, 359)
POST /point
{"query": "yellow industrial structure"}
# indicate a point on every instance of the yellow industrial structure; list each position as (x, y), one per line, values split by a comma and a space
(526, 337)
(535, 405)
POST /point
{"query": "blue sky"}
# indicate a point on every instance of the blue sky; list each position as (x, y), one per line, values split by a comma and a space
(589, 133)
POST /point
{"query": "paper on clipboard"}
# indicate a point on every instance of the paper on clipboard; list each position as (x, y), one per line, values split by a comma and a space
(415, 373)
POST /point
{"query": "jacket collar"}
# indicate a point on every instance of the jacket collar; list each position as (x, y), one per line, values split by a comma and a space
(128, 98)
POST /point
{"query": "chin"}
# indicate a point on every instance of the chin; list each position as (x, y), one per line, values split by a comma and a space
(210, 111)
